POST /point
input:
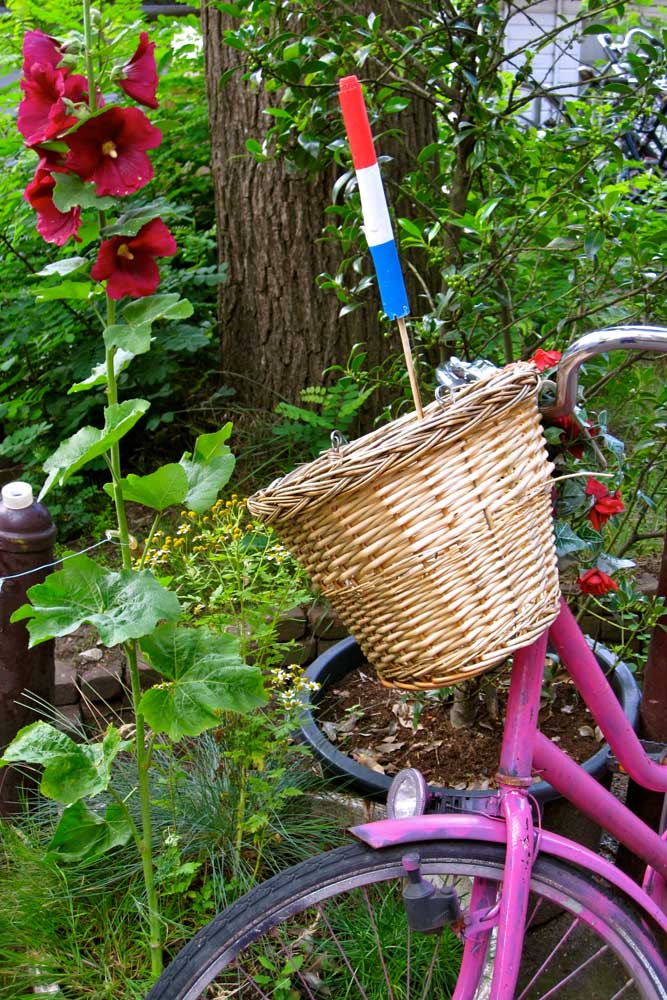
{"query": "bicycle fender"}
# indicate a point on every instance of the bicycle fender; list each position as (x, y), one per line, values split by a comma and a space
(393, 832)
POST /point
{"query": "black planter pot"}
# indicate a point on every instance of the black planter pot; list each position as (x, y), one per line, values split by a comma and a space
(333, 665)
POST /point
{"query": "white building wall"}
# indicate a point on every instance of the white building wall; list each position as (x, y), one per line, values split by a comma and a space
(556, 66)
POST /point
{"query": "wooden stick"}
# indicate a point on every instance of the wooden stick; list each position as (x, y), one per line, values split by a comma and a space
(405, 342)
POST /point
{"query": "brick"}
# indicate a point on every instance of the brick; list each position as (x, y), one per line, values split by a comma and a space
(325, 623)
(100, 682)
(69, 719)
(303, 653)
(66, 691)
(292, 625)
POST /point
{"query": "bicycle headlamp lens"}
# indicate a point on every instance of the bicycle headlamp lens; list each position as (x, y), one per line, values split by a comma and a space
(408, 794)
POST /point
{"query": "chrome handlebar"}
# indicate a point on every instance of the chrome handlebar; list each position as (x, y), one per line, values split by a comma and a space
(620, 338)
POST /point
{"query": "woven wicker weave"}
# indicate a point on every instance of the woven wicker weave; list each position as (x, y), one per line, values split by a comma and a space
(432, 538)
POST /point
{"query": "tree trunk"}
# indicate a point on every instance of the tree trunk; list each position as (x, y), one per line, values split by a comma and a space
(278, 330)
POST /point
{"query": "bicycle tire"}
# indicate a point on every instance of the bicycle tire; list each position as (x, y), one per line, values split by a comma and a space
(287, 919)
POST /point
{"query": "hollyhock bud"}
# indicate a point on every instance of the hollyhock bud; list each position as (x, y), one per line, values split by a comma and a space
(605, 504)
(53, 225)
(138, 77)
(110, 150)
(128, 263)
(595, 581)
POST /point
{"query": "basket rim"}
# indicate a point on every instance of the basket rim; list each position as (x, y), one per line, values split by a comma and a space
(356, 464)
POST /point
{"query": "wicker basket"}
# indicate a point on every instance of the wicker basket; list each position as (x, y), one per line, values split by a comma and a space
(432, 538)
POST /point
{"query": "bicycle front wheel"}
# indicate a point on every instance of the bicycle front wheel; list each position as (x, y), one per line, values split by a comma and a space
(334, 927)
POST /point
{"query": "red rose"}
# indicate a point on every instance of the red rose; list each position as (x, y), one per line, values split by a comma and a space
(110, 150)
(128, 263)
(594, 581)
(53, 225)
(139, 77)
(571, 436)
(544, 359)
(605, 504)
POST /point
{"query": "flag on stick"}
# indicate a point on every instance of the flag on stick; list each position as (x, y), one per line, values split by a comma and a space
(377, 223)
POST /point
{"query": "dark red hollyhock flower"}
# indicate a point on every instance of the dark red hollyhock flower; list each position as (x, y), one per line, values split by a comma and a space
(110, 150)
(594, 581)
(42, 112)
(139, 77)
(40, 48)
(544, 359)
(128, 263)
(605, 503)
(53, 225)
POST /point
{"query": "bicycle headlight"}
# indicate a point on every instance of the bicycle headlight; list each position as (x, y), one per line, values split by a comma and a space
(408, 794)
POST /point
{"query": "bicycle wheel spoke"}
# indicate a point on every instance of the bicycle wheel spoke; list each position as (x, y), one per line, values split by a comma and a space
(623, 990)
(547, 962)
(350, 939)
(342, 952)
(252, 982)
(575, 972)
(429, 974)
(378, 943)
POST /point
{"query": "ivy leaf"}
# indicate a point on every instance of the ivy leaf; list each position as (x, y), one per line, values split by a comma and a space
(121, 606)
(153, 307)
(71, 770)
(62, 267)
(205, 677)
(208, 469)
(165, 487)
(71, 191)
(98, 376)
(566, 540)
(135, 339)
(90, 442)
(82, 835)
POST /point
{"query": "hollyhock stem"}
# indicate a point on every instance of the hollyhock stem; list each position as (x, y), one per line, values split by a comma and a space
(143, 752)
(90, 64)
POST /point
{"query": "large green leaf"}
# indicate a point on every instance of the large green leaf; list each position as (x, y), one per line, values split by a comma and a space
(165, 487)
(82, 835)
(67, 289)
(135, 339)
(90, 442)
(168, 305)
(121, 606)
(211, 446)
(71, 191)
(62, 267)
(131, 221)
(208, 470)
(98, 376)
(206, 480)
(205, 676)
(71, 770)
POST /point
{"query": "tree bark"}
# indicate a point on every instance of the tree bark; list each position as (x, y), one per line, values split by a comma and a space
(278, 331)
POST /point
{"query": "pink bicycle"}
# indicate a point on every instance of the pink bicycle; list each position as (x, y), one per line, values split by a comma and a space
(475, 905)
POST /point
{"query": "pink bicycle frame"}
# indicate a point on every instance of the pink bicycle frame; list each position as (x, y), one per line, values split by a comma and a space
(525, 751)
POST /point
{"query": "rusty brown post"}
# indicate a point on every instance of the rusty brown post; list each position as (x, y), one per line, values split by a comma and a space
(27, 534)
(653, 724)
